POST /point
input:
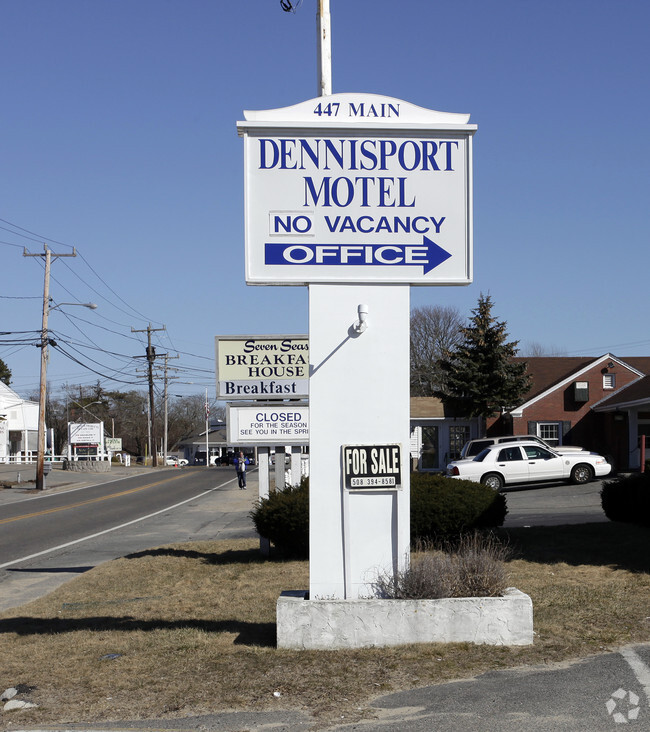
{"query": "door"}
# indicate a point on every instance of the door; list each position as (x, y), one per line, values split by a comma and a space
(430, 451)
(512, 464)
(543, 465)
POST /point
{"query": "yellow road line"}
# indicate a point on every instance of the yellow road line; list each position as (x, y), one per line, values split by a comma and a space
(86, 503)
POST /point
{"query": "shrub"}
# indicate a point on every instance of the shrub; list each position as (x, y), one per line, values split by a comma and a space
(627, 499)
(443, 508)
(283, 519)
(474, 567)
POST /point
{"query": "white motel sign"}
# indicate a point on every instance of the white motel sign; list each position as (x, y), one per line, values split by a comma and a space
(358, 188)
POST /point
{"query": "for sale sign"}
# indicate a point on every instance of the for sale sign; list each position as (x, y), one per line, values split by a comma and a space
(372, 466)
(358, 188)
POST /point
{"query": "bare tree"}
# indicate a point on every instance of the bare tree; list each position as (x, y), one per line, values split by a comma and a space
(187, 415)
(534, 349)
(125, 414)
(435, 329)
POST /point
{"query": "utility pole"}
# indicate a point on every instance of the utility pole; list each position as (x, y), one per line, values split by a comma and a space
(48, 255)
(166, 378)
(151, 357)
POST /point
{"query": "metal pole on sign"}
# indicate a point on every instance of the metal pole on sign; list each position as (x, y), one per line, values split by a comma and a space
(324, 28)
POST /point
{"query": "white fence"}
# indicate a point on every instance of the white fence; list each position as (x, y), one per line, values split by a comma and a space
(29, 458)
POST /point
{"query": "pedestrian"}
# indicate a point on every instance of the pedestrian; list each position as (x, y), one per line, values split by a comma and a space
(240, 466)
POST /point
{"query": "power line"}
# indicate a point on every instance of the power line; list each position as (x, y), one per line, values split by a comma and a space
(20, 297)
(33, 236)
(92, 344)
(40, 237)
(99, 294)
(11, 244)
(113, 291)
(94, 371)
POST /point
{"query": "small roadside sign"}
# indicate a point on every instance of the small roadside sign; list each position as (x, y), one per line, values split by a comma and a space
(372, 466)
(279, 423)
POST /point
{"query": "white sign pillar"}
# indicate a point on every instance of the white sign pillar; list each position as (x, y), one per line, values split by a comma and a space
(358, 196)
(359, 394)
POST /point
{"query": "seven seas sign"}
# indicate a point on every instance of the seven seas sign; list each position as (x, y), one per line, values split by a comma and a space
(262, 367)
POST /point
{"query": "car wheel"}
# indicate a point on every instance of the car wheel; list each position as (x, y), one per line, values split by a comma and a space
(582, 474)
(493, 480)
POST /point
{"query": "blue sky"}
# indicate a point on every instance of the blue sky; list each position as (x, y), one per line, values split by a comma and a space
(118, 137)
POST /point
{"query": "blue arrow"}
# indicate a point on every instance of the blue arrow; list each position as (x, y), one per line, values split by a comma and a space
(437, 255)
(427, 255)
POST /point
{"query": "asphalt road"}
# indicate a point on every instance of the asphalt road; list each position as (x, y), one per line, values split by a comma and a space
(591, 695)
(30, 527)
(48, 539)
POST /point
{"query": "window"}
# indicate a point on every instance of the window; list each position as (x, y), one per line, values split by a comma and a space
(482, 455)
(643, 428)
(430, 459)
(537, 453)
(458, 436)
(477, 446)
(508, 454)
(581, 391)
(609, 381)
(549, 432)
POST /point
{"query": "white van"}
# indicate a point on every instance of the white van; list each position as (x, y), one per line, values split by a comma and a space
(473, 447)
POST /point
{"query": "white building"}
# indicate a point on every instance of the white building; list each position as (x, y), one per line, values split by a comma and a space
(437, 435)
(18, 427)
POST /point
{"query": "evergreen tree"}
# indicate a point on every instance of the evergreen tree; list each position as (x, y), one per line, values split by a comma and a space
(5, 373)
(480, 376)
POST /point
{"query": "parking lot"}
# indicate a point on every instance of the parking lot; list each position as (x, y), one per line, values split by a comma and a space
(553, 504)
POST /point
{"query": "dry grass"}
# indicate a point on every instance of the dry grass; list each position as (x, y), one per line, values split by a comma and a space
(473, 567)
(194, 625)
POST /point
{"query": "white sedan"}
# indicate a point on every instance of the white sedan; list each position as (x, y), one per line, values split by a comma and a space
(528, 462)
(171, 460)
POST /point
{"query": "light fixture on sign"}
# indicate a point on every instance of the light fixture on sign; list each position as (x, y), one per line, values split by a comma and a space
(362, 323)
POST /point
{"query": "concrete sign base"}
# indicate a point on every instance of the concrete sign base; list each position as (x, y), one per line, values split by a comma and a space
(338, 624)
